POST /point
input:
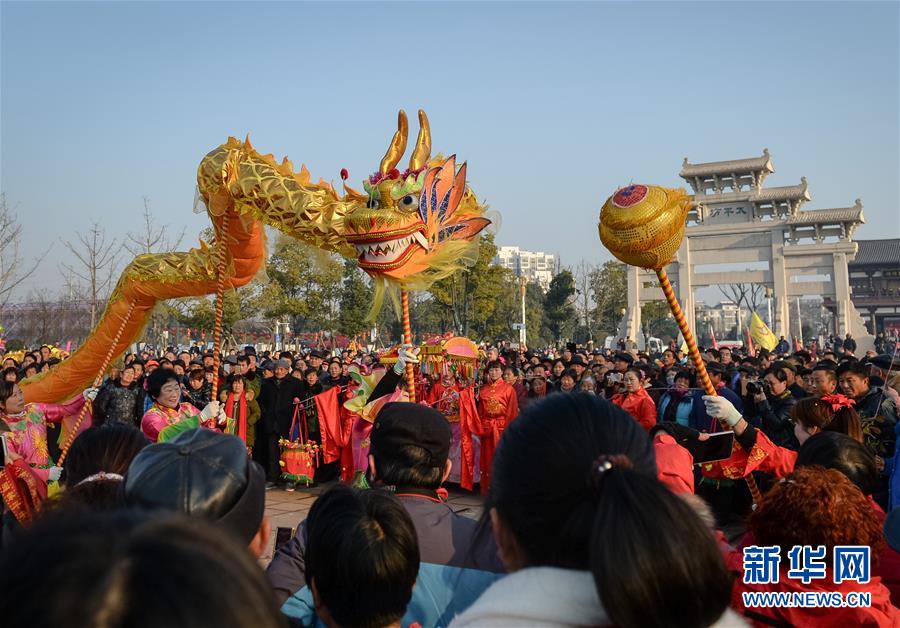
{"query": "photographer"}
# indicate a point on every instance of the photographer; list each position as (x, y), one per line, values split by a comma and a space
(774, 403)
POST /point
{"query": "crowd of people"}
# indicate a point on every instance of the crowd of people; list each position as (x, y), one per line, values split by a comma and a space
(595, 511)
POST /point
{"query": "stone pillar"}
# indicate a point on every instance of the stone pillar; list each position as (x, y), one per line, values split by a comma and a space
(841, 280)
(685, 285)
(633, 314)
(779, 285)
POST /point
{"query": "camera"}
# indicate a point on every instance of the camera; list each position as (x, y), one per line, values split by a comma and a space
(755, 388)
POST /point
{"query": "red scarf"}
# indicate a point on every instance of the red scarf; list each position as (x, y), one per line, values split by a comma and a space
(242, 414)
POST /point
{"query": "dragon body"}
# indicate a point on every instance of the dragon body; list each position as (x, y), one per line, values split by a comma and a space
(406, 230)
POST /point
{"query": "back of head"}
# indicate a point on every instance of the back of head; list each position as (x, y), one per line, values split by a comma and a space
(362, 556)
(124, 569)
(108, 450)
(574, 481)
(816, 506)
(832, 413)
(834, 450)
(200, 473)
(410, 444)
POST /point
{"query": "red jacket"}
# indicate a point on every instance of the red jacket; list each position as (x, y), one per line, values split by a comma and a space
(639, 405)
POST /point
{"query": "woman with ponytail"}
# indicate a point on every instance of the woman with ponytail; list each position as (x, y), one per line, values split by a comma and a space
(832, 413)
(588, 534)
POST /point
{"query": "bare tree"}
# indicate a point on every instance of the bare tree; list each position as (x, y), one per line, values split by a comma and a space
(97, 263)
(13, 268)
(751, 295)
(583, 290)
(152, 238)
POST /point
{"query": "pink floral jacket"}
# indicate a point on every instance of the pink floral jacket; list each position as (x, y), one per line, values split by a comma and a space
(158, 417)
(28, 436)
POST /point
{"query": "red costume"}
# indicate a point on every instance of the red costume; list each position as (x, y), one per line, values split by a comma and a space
(498, 405)
(639, 405)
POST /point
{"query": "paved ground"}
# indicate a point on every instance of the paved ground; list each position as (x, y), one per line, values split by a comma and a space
(286, 509)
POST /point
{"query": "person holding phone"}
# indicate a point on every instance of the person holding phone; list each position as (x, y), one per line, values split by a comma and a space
(27, 438)
(635, 400)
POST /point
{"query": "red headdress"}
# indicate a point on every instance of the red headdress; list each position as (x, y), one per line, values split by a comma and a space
(838, 401)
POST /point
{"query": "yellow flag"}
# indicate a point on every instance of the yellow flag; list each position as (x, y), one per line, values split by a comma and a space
(761, 334)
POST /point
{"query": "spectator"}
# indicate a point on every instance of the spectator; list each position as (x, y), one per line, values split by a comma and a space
(849, 345)
(198, 391)
(537, 387)
(833, 413)
(276, 402)
(816, 507)
(700, 420)
(410, 446)
(120, 401)
(567, 381)
(610, 545)
(95, 468)
(676, 403)
(774, 403)
(362, 558)
(587, 385)
(203, 474)
(242, 410)
(824, 380)
(635, 400)
(878, 426)
(115, 569)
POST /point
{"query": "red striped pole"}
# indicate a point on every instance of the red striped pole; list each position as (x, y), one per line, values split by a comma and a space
(220, 295)
(407, 340)
(694, 352)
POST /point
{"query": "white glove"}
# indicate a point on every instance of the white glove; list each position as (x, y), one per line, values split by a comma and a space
(211, 411)
(405, 356)
(721, 408)
(55, 472)
(90, 394)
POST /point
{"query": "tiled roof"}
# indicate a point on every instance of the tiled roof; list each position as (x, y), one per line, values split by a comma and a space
(878, 252)
(838, 214)
(784, 192)
(753, 164)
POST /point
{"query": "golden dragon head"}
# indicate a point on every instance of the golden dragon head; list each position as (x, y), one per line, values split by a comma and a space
(418, 224)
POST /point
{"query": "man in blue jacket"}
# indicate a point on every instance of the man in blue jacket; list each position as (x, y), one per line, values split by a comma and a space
(410, 444)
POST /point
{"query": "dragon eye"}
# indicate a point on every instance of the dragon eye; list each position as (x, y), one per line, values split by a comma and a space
(410, 201)
(372, 203)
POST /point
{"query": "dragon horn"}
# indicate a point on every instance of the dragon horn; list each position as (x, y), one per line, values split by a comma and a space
(398, 145)
(423, 144)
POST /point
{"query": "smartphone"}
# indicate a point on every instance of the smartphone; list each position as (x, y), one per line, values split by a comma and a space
(2, 451)
(717, 447)
(283, 535)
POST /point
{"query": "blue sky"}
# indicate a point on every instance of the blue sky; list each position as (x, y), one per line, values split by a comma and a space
(553, 105)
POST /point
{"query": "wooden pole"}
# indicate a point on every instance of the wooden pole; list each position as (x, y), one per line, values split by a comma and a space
(407, 340)
(97, 381)
(221, 251)
(694, 352)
